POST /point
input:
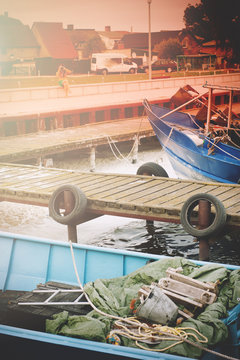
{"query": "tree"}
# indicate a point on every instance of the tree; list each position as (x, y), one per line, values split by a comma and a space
(94, 44)
(217, 20)
(169, 49)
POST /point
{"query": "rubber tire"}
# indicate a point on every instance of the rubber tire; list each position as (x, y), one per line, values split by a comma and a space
(152, 169)
(80, 205)
(218, 222)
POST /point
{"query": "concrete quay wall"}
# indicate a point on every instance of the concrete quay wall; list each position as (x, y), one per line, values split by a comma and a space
(54, 92)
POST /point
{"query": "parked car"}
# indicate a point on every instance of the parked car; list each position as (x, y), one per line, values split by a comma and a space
(161, 64)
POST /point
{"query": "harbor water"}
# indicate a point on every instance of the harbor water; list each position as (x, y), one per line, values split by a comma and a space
(116, 232)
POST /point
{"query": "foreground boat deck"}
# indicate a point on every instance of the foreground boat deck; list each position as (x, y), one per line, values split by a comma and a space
(124, 195)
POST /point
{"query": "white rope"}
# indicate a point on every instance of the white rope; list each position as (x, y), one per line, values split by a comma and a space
(112, 144)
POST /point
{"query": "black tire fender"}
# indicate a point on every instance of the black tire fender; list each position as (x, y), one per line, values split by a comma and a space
(217, 223)
(152, 169)
(56, 205)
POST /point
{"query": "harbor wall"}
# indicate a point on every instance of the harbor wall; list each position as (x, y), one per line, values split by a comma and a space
(53, 92)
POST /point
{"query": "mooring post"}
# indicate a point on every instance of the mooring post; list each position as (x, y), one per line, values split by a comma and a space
(72, 233)
(92, 159)
(204, 212)
(135, 150)
(69, 206)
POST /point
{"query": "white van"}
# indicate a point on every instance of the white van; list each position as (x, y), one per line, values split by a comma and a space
(104, 63)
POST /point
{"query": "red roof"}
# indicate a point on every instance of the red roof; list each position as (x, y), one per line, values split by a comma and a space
(55, 40)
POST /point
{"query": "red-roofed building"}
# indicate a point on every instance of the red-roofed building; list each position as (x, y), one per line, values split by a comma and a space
(54, 41)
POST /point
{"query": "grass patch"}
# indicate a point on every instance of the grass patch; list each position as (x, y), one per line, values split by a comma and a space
(39, 81)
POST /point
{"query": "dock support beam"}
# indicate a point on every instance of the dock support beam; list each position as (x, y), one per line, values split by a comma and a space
(93, 159)
(69, 205)
(204, 221)
(72, 233)
(135, 150)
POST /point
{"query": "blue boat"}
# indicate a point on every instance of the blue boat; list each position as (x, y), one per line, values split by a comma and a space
(26, 262)
(196, 150)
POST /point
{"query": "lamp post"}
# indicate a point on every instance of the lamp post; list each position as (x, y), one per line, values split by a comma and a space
(149, 41)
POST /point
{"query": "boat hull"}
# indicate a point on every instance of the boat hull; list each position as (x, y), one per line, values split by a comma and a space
(27, 261)
(189, 154)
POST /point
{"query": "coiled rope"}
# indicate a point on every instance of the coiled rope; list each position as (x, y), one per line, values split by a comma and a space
(178, 334)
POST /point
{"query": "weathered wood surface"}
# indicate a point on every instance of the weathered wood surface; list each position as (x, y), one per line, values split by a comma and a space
(16, 148)
(134, 196)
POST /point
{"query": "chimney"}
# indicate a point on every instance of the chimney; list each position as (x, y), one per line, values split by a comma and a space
(70, 27)
(107, 28)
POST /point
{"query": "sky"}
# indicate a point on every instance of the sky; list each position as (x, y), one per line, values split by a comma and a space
(129, 15)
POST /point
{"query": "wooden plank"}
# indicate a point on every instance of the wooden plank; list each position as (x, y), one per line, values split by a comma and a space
(234, 208)
(123, 193)
(143, 194)
(180, 200)
(184, 191)
(70, 179)
(166, 194)
(230, 194)
(46, 180)
(219, 190)
(97, 189)
(112, 192)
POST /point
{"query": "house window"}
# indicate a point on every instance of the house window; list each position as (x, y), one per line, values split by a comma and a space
(128, 112)
(140, 110)
(68, 121)
(10, 128)
(236, 98)
(166, 104)
(114, 114)
(226, 99)
(31, 126)
(185, 43)
(99, 115)
(50, 123)
(84, 118)
(217, 100)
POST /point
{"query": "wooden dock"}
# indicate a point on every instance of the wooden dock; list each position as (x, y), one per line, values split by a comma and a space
(135, 196)
(45, 144)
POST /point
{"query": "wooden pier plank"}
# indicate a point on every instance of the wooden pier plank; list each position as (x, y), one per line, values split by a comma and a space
(204, 189)
(188, 191)
(147, 194)
(99, 189)
(173, 192)
(69, 179)
(166, 194)
(123, 192)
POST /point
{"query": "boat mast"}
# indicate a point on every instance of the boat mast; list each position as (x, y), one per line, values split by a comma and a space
(230, 108)
(210, 91)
